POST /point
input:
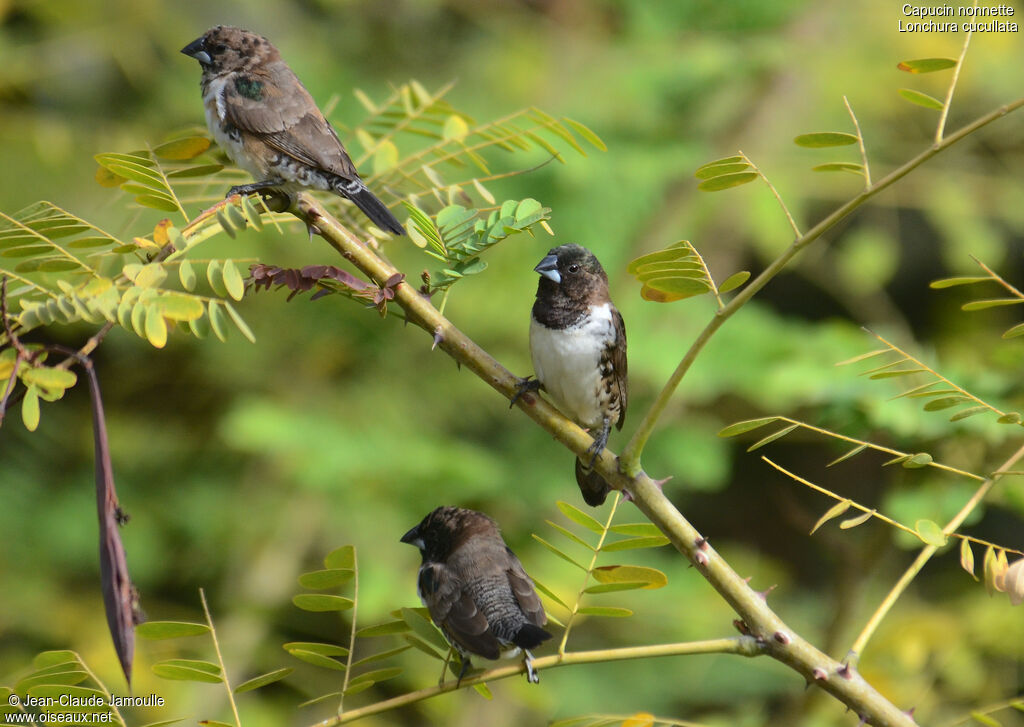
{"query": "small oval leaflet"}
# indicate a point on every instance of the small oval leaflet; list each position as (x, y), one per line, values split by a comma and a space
(926, 65)
(579, 517)
(967, 557)
(745, 426)
(182, 149)
(322, 602)
(734, 281)
(930, 532)
(835, 511)
(920, 99)
(262, 681)
(651, 578)
(855, 521)
(727, 181)
(329, 578)
(170, 629)
(822, 139)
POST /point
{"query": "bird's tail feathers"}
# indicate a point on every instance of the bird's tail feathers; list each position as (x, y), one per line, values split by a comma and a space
(593, 486)
(372, 207)
(530, 636)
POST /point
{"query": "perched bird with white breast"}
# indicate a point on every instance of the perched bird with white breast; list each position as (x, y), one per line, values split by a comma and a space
(578, 346)
(268, 124)
(475, 588)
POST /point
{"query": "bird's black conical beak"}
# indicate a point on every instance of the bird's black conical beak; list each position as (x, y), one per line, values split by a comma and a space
(412, 536)
(548, 267)
(197, 49)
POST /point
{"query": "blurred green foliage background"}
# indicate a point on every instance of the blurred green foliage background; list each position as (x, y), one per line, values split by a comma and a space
(242, 465)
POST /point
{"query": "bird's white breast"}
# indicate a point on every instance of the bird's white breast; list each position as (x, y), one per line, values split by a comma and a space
(567, 362)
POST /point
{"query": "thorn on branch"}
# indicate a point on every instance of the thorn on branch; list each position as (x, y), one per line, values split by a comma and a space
(701, 559)
(764, 594)
(845, 671)
(702, 544)
(819, 674)
(782, 637)
(438, 337)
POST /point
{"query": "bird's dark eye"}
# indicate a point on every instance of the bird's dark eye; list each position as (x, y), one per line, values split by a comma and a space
(219, 48)
(574, 268)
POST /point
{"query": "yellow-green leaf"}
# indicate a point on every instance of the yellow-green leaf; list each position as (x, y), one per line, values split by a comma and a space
(233, 280)
(263, 680)
(727, 181)
(734, 281)
(343, 557)
(650, 577)
(967, 557)
(926, 65)
(170, 629)
(855, 521)
(180, 307)
(822, 139)
(30, 409)
(608, 611)
(833, 512)
(181, 149)
(455, 127)
(385, 157)
(330, 578)
(745, 426)
(49, 378)
(920, 99)
(242, 326)
(187, 275)
(930, 532)
(578, 516)
(322, 602)
(150, 276)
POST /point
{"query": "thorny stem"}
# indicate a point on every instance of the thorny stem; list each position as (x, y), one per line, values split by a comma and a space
(586, 578)
(220, 658)
(860, 144)
(774, 637)
(927, 552)
(630, 458)
(352, 634)
(742, 645)
(940, 130)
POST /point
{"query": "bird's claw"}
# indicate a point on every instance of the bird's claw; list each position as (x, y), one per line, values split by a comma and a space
(525, 385)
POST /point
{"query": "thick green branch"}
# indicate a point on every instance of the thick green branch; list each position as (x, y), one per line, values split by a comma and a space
(774, 636)
(743, 645)
(631, 454)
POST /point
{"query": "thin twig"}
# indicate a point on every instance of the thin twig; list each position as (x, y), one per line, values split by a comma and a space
(220, 658)
(352, 634)
(743, 645)
(941, 129)
(999, 278)
(860, 144)
(586, 578)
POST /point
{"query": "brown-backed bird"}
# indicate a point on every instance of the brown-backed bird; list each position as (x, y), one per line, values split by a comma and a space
(264, 118)
(475, 587)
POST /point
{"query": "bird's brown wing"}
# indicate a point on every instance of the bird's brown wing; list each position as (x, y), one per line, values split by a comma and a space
(619, 366)
(276, 106)
(526, 595)
(453, 609)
